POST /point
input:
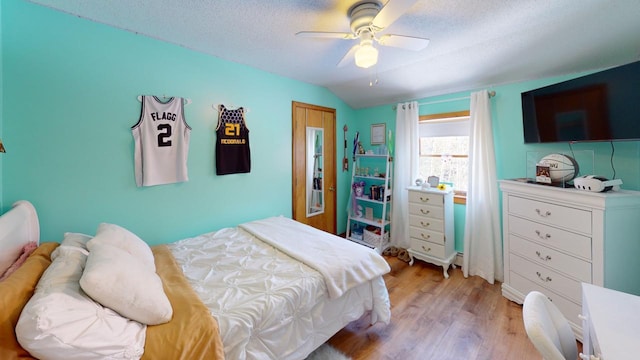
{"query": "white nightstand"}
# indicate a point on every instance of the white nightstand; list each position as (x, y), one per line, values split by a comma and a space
(431, 227)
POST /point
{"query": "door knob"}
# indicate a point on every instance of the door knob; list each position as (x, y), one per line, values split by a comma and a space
(331, 188)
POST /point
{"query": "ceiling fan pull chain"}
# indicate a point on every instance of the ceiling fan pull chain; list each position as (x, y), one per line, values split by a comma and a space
(373, 77)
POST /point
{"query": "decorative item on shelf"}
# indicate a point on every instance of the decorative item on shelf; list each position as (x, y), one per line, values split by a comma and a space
(419, 182)
(442, 187)
(356, 231)
(433, 181)
(360, 148)
(368, 213)
(358, 188)
(543, 173)
(562, 168)
(596, 183)
(377, 193)
(373, 190)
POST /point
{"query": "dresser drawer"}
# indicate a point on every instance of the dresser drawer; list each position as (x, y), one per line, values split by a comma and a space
(436, 212)
(428, 248)
(566, 264)
(568, 308)
(551, 214)
(426, 198)
(546, 278)
(423, 222)
(567, 241)
(427, 235)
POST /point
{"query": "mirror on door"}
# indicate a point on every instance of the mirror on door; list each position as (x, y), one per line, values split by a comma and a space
(315, 186)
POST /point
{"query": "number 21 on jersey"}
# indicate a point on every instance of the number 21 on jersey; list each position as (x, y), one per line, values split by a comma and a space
(232, 129)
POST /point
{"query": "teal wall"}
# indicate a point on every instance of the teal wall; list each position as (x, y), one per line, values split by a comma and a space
(69, 89)
(69, 95)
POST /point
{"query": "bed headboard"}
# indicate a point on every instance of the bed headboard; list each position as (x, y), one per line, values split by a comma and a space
(18, 227)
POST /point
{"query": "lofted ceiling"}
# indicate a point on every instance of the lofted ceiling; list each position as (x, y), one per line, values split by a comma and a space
(473, 43)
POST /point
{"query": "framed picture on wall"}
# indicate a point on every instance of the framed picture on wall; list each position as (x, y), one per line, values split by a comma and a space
(378, 134)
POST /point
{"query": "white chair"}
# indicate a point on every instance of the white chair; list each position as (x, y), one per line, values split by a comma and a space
(548, 329)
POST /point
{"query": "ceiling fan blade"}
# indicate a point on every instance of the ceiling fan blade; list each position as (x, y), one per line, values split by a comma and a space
(391, 12)
(326, 34)
(349, 57)
(404, 42)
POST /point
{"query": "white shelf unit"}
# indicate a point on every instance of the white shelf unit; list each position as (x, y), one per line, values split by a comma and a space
(373, 210)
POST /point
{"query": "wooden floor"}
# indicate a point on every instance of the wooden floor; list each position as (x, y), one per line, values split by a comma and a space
(433, 318)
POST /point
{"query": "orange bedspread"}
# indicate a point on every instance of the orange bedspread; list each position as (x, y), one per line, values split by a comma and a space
(15, 291)
(192, 333)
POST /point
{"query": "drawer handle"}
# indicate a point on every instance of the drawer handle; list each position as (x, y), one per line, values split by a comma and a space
(426, 249)
(423, 199)
(543, 214)
(425, 237)
(545, 237)
(425, 224)
(547, 279)
(546, 258)
(425, 212)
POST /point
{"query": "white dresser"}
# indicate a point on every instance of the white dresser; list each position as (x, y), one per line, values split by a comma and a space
(431, 227)
(554, 239)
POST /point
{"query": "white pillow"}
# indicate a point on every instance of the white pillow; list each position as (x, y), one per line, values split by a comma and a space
(124, 239)
(61, 322)
(75, 239)
(120, 281)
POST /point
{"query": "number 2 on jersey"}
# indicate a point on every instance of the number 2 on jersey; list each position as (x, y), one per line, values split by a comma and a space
(164, 135)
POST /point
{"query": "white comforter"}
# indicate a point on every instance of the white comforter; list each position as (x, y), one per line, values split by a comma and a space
(268, 305)
(343, 264)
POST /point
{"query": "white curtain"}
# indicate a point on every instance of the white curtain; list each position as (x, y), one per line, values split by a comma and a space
(405, 170)
(482, 236)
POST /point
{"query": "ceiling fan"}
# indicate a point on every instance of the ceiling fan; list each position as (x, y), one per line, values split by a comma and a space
(367, 19)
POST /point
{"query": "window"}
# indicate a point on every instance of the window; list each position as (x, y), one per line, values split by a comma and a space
(444, 150)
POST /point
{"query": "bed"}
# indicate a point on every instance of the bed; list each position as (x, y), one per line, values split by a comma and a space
(266, 289)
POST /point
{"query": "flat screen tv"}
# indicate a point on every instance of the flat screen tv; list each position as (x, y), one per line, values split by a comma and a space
(602, 106)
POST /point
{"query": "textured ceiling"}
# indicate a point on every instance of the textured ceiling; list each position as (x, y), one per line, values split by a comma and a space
(474, 43)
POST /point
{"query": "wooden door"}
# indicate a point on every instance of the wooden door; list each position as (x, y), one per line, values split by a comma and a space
(307, 116)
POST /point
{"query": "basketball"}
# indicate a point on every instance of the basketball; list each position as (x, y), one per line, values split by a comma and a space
(562, 168)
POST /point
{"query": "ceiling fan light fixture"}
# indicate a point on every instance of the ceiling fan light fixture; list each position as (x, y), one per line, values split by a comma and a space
(366, 55)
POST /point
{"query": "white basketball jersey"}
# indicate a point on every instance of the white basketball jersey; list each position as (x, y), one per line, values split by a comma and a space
(161, 142)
